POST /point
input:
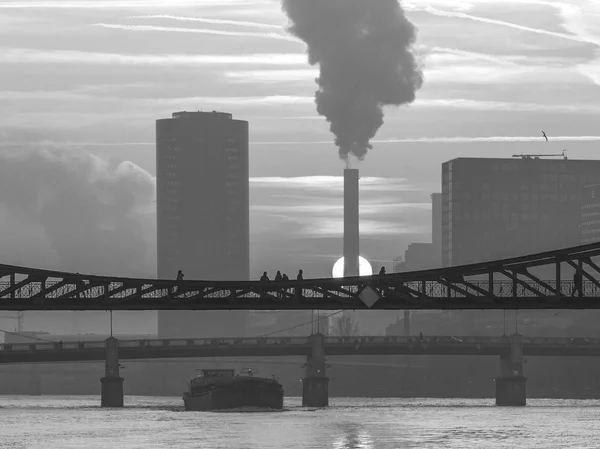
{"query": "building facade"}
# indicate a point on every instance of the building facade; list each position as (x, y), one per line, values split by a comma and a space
(202, 165)
(436, 229)
(418, 256)
(590, 214)
(499, 208)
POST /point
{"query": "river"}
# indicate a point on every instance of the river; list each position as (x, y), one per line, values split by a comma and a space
(64, 422)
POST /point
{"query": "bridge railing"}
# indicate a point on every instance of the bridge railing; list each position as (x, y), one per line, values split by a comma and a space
(154, 343)
(501, 289)
(395, 340)
(81, 346)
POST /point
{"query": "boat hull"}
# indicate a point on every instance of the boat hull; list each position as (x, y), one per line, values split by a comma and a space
(248, 394)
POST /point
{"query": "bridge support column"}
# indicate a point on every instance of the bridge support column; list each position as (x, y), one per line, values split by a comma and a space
(315, 384)
(112, 383)
(510, 385)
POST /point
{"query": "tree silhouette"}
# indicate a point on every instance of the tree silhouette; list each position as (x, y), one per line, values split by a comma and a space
(345, 326)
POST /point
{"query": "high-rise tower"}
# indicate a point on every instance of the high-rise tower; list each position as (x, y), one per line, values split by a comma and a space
(202, 212)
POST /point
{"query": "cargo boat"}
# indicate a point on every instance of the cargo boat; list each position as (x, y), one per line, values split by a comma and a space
(222, 389)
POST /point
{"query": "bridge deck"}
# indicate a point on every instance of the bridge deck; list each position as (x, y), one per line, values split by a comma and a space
(292, 346)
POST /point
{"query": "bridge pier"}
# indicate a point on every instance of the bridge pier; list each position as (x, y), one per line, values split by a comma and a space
(510, 385)
(315, 384)
(112, 383)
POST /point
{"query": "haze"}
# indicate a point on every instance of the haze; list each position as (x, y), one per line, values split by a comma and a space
(85, 80)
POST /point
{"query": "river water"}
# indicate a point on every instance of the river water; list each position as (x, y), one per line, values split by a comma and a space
(63, 422)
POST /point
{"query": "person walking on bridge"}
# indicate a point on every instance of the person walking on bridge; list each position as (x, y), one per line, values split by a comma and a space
(299, 290)
(577, 282)
(180, 275)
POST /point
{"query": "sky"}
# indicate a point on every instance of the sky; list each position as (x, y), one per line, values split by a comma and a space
(83, 81)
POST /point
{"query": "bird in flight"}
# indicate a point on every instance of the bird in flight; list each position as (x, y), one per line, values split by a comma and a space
(544, 134)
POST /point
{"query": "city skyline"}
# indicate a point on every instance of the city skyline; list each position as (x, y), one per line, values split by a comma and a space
(121, 65)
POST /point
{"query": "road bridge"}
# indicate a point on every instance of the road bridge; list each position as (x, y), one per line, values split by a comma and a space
(80, 351)
(501, 284)
(510, 384)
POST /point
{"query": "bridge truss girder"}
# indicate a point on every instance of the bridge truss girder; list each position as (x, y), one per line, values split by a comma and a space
(502, 284)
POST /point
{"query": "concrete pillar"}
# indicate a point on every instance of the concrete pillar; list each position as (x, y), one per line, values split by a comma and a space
(315, 384)
(112, 383)
(510, 385)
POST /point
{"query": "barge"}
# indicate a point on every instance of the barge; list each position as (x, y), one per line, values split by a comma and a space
(222, 389)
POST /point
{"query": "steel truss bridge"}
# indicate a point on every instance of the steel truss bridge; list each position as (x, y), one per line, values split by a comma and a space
(501, 284)
(77, 351)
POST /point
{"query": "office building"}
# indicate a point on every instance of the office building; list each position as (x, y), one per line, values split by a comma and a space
(202, 212)
(418, 256)
(436, 229)
(499, 208)
(590, 214)
(425, 256)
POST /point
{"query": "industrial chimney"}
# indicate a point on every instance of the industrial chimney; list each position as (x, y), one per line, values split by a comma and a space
(351, 266)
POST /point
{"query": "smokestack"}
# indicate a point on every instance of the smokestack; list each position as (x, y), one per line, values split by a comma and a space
(351, 251)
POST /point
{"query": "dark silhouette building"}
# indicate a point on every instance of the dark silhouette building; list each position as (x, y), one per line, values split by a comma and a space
(436, 229)
(418, 256)
(202, 212)
(498, 208)
(425, 256)
(590, 214)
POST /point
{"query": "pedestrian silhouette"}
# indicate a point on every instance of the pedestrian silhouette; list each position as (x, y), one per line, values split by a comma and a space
(285, 277)
(264, 277)
(299, 290)
(577, 282)
(382, 271)
(180, 275)
(278, 276)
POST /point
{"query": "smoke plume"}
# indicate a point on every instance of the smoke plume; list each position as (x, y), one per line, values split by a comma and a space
(70, 210)
(363, 48)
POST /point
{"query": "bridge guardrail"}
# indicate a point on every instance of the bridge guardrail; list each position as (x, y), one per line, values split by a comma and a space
(500, 288)
(154, 343)
(294, 341)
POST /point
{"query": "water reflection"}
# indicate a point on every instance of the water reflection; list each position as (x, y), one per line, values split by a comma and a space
(353, 436)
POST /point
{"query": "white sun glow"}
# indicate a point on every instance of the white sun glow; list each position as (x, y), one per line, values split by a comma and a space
(364, 267)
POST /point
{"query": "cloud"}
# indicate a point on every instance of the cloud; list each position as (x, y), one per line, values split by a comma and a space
(240, 23)
(35, 56)
(254, 101)
(92, 216)
(331, 183)
(197, 30)
(122, 4)
(70, 210)
(455, 73)
(279, 76)
(314, 180)
(450, 139)
(461, 15)
(445, 65)
(312, 207)
(477, 105)
(436, 103)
